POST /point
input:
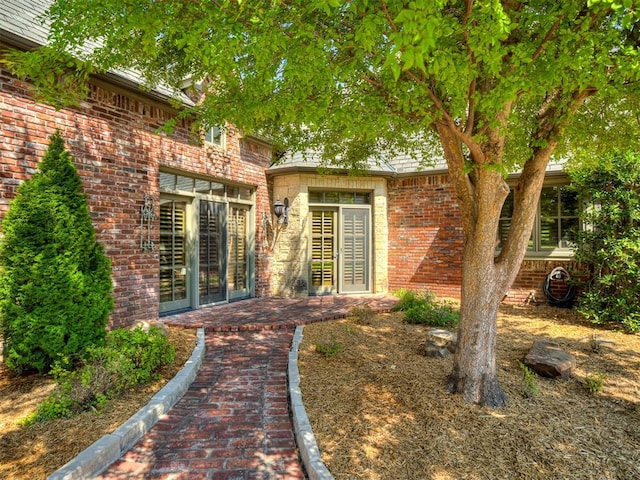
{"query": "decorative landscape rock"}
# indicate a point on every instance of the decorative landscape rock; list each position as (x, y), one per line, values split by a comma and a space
(548, 360)
(146, 325)
(440, 343)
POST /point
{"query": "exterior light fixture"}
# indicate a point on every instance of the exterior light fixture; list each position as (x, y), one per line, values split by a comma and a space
(147, 215)
(281, 211)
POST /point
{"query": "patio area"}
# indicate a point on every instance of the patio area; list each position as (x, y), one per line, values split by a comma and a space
(273, 313)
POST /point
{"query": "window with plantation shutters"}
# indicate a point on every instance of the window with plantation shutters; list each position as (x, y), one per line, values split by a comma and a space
(237, 251)
(323, 251)
(173, 258)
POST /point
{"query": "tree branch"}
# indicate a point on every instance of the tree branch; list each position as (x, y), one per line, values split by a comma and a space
(371, 81)
(454, 155)
(465, 137)
(552, 120)
(547, 37)
(394, 27)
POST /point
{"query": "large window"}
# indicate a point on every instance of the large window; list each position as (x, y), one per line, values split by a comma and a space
(556, 221)
(206, 241)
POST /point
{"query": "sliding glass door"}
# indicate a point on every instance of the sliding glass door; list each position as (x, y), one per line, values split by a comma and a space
(212, 252)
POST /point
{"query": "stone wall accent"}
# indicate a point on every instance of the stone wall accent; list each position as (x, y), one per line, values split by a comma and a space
(291, 256)
(112, 136)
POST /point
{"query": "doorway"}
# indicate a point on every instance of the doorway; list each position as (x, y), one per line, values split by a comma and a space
(340, 250)
(207, 242)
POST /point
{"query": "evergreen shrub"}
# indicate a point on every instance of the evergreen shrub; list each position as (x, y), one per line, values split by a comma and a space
(55, 280)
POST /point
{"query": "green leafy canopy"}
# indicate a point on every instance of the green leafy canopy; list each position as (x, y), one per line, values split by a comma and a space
(359, 76)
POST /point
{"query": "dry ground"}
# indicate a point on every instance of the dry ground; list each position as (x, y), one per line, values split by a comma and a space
(35, 452)
(379, 409)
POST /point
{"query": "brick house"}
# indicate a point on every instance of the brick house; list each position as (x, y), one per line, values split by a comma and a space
(188, 220)
(399, 227)
(201, 192)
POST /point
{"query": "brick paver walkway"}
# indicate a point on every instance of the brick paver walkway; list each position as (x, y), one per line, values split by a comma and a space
(233, 422)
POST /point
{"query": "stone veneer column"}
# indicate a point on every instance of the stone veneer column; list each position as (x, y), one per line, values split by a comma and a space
(290, 256)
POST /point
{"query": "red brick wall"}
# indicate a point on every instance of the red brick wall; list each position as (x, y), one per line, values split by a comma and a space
(425, 235)
(426, 241)
(112, 139)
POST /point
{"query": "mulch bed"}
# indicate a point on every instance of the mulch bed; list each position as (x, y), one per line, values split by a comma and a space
(39, 450)
(379, 410)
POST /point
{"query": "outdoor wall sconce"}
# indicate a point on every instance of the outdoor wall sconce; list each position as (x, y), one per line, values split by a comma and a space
(272, 230)
(281, 211)
(147, 215)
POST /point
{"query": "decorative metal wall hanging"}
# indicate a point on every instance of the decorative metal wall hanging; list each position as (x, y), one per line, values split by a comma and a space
(147, 215)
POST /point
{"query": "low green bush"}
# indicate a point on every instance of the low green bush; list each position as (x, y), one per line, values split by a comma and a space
(594, 382)
(148, 351)
(424, 308)
(329, 349)
(529, 387)
(129, 358)
(411, 298)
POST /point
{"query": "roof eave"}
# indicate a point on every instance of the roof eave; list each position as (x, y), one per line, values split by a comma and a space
(278, 171)
(18, 42)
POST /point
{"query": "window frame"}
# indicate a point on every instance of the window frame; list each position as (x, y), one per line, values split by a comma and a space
(193, 188)
(536, 251)
(209, 136)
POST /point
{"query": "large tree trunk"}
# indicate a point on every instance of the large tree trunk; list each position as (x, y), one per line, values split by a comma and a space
(483, 288)
(481, 192)
(474, 370)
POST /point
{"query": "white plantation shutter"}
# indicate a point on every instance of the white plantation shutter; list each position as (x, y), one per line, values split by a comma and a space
(323, 251)
(173, 256)
(211, 255)
(237, 248)
(355, 239)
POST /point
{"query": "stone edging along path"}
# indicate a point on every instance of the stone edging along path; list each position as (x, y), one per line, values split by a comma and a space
(102, 453)
(309, 451)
